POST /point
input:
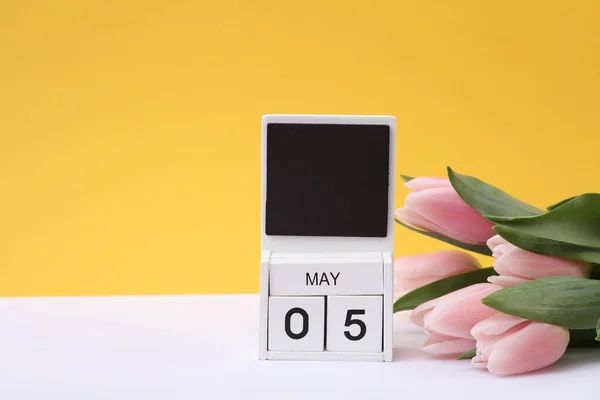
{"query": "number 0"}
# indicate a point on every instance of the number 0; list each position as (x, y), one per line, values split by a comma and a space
(353, 321)
(288, 323)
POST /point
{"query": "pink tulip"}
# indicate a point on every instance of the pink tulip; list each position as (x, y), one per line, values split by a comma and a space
(515, 265)
(434, 205)
(448, 320)
(411, 272)
(511, 345)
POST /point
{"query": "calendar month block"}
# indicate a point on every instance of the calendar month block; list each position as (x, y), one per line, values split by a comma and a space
(327, 275)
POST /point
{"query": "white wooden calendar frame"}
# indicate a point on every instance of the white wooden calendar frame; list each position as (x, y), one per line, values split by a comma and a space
(349, 245)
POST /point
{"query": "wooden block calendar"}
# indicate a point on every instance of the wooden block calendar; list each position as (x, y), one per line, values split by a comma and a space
(327, 237)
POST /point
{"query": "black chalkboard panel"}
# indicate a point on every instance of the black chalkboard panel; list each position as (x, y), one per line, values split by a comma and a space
(327, 180)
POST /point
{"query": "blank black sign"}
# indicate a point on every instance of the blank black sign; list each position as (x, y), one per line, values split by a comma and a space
(327, 180)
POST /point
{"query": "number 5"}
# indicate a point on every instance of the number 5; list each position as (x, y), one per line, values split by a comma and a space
(352, 321)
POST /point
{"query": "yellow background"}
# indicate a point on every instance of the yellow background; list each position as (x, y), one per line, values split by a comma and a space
(130, 129)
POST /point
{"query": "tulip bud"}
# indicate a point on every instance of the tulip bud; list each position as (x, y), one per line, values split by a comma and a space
(414, 271)
(516, 265)
(434, 205)
(448, 320)
(512, 345)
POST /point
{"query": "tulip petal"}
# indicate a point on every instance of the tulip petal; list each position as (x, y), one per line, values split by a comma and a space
(456, 346)
(405, 285)
(484, 347)
(495, 328)
(436, 264)
(456, 316)
(422, 183)
(411, 272)
(504, 268)
(496, 325)
(500, 249)
(479, 362)
(533, 347)
(445, 208)
(414, 219)
(495, 241)
(522, 263)
(442, 344)
(506, 281)
(417, 316)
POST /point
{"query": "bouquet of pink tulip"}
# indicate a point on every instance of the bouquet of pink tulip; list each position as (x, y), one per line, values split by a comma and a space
(541, 297)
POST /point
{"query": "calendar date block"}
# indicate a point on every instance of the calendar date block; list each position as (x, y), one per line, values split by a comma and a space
(354, 323)
(296, 323)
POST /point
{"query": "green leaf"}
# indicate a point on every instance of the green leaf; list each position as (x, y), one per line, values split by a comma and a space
(406, 178)
(547, 246)
(488, 199)
(476, 248)
(582, 338)
(467, 355)
(559, 300)
(441, 287)
(576, 222)
(560, 203)
(598, 330)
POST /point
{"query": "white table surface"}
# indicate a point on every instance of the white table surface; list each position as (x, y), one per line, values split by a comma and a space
(205, 347)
